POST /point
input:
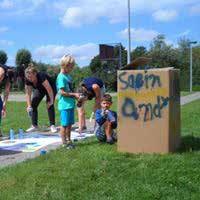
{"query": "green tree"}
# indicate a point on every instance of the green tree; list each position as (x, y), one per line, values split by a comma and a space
(3, 57)
(23, 58)
(138, 52)
(162, 55)
(95, 64)
(42, 67)
(79, 74)
(184, 62)
(123, 56)
(196, 67)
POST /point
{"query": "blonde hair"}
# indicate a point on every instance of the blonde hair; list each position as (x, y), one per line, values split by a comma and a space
(67, 60)
(30, 69)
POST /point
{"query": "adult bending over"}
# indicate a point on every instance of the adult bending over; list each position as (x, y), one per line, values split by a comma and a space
(38, 85)
(90, 88)
(4, 83)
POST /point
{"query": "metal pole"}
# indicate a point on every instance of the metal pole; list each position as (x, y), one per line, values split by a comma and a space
(120, 56)
(190, 67)
(191, 77)
(129, 35)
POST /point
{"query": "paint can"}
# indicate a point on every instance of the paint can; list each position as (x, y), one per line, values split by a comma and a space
(43, 152)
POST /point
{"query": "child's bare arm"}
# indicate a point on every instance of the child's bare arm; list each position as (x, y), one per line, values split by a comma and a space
(69, 94)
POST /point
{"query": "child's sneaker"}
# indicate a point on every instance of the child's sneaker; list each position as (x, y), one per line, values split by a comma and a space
(110, 141)
(70, 146)
(64, 145)
(53, 129)
(114, 136)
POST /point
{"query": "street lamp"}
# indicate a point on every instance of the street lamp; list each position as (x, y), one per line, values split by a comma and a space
(129, 35)
(191, 43)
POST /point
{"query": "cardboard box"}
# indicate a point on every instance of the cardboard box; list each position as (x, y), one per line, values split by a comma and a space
(148, 110)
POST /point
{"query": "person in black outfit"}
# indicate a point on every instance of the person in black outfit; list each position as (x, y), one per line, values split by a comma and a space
(4, 84)
(91, 88)
(38, 85)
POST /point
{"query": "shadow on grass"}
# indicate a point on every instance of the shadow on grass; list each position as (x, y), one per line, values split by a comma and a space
(189, 143)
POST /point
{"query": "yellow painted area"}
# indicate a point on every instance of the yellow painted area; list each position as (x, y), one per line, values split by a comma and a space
(144, 95)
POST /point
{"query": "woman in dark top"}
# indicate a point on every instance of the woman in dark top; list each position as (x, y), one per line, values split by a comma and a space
(90, 87)
(4, 84)
(38, 85)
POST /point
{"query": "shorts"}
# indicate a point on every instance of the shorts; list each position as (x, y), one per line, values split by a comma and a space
(67, 117)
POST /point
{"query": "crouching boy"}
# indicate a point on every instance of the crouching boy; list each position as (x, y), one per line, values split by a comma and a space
(106, 121)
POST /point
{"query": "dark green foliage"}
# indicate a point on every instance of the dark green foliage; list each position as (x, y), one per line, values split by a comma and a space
(3, 57)
(23, 58)
(138, 52)
(78, 74)
(162, 55)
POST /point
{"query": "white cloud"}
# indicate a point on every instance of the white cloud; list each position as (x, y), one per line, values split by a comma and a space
(91, 11)
(75, 17)
(139, 35)
(21, 7)
(80, 12)
(185, 33)
(169, 42)
(3, 29)
(83, 12)
(195, 10)
(165, 15)
(53, 53)
(6, 42)
(6, 4)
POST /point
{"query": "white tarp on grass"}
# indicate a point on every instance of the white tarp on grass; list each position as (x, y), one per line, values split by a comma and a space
(35, 141)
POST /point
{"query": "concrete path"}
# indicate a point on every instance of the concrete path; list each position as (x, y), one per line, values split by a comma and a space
(184, 99)
(190, 98)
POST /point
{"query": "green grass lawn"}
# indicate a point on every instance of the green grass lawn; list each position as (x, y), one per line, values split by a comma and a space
(98, 171)
(17, 116)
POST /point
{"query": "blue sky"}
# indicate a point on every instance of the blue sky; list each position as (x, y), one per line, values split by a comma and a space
(52, 28)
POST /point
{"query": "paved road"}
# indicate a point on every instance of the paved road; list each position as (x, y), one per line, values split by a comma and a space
(190, 98)
(184, 99)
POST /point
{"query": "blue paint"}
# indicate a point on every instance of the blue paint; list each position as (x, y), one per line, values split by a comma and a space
(165, 101)
(138, 81)
(131, 81)
(151, 111)
(129, 109)
(147, 109)
(122, 81)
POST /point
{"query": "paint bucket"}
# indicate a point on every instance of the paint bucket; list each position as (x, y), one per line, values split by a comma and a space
(43, 152)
